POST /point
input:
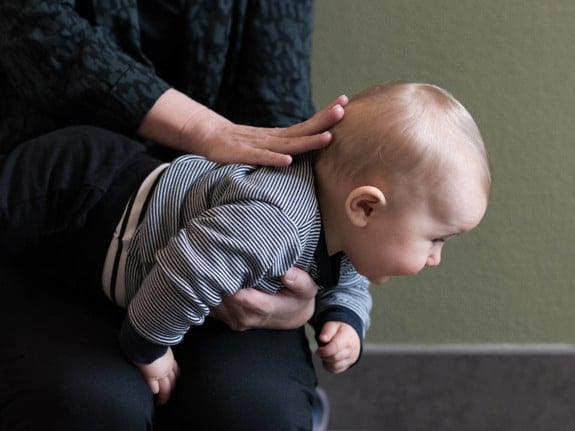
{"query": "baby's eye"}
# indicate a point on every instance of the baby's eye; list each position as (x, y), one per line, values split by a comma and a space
(437, 241)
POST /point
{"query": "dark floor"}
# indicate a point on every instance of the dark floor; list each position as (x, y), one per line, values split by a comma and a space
(455, 388)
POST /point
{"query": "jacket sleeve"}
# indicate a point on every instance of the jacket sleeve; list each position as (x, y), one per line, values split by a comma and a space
(350, 302)
(206, 260)
(64, 64)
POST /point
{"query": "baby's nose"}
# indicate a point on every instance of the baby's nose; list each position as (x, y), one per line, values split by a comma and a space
(434, 258)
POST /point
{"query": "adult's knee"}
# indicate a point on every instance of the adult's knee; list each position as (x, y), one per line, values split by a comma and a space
(236, 381)
(256, 400)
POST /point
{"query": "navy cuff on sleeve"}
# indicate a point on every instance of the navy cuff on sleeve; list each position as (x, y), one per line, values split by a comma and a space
(137, 347)
(339, 314)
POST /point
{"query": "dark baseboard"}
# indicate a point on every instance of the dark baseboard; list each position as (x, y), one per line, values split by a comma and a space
(455, 388)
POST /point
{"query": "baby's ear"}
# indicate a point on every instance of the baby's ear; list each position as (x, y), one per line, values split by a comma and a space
(361, 202)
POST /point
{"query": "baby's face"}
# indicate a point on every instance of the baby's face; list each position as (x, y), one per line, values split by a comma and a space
(403, 241)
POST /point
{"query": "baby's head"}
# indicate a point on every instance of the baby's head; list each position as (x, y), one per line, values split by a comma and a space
(412, 135)
(406, 150)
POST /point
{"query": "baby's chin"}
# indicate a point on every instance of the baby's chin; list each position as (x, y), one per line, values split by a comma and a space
(382, 279)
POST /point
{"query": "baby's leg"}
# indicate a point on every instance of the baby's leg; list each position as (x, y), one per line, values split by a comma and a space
(64, 189)
(49, 185)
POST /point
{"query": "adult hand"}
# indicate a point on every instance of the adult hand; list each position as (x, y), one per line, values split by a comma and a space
(223, 141)
(178, 122)
(290, 308)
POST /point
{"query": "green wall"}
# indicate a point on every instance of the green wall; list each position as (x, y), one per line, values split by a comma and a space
(512, 64)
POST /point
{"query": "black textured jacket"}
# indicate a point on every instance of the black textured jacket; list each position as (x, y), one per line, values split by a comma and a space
(105, 62)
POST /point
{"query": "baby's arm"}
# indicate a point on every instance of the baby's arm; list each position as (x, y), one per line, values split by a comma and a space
(341, 319)
(340, 346)
(189, 276)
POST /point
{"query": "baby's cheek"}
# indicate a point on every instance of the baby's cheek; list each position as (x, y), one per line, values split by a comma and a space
(409, 266)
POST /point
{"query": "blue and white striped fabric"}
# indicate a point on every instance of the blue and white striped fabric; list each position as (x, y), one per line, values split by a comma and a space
(210, 230)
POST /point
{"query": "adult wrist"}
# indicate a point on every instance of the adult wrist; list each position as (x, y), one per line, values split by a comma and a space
(169, 116)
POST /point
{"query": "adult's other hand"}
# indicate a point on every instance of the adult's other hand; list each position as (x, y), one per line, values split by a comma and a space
(290, 308)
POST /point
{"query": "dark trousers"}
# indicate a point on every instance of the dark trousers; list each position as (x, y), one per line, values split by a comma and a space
(61, 196)
(60, 365)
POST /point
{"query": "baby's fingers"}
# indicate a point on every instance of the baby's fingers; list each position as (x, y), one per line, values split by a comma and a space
(166, 385)
(154, 385)
(165, 391)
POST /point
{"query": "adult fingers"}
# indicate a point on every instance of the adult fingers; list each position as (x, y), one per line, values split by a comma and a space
(320, 121)
(299, 283)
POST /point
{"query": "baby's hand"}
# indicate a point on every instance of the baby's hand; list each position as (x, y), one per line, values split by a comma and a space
(161, 376)
(341, 346)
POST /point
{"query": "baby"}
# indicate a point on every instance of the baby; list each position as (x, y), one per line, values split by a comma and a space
(407, 171)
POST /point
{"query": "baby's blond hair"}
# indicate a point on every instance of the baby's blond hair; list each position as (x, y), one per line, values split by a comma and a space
(399, 131)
